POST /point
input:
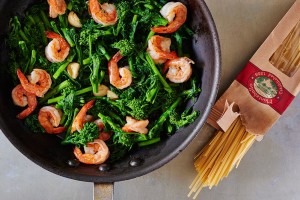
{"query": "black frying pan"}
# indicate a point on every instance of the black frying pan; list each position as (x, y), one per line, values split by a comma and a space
(46, 151)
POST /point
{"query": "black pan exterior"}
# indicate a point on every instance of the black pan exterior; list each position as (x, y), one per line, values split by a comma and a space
(46, 151)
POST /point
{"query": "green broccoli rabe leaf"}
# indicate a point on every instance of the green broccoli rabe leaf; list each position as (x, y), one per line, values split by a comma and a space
(67, 106)
(33, 124)
(119, 137)
(117, 151)
(184, 119)
(93, 30)
(15, 33)
(78, 6)
(88, 134)
(123, 10)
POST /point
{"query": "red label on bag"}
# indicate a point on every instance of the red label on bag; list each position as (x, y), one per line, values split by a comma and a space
(265, 87)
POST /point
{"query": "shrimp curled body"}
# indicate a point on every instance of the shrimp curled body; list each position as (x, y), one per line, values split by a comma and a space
(96, 152)
(134, 125)
(49, 118)
(159, 49)
(175, 13)
(38, 83)
(179, 69)
(57, 7)
(58, 49)
(80, 118)
(105, 14)
(102, 135)
(114, 73)
(23, 98)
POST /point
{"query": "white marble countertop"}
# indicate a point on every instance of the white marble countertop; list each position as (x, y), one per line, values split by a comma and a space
(270, 170)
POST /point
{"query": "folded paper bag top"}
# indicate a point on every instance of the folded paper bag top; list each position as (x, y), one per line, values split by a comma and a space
(268, 83)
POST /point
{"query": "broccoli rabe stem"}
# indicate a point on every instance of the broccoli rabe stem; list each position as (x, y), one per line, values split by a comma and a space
(178, 39)
(63, 24)
(101, 76)
(41, 27)
(23, 47)
(120, 136)
(94, 77)
(159, 123)
(30, 18)
(31, 62)
(150, 7)
(63, 66)
(83, 91)
(134, 24)
(63, 21)
(45, 19)
(88, 60)
(77, 93)
(151, 33)
(156, 72)
(149, 142)
(68, 37)
(112, 124)
(114, 104)
(104, 52)
(186, 94)
(55, 91)
(76, 111)
(54, 27)
(70, 6)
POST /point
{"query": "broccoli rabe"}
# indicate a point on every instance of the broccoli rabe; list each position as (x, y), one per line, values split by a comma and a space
(126, 47)
(33, 124)
(89, 133)
(150, 95)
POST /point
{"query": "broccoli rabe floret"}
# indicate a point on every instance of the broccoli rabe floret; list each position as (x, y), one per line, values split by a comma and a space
(125, 46)
(89, 133)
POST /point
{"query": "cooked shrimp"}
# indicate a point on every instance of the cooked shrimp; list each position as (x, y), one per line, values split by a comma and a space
(102, 135)
(105, 14)
(159, 49)
(81, 116)
(134, 125)
(88, 118)
(179, 69)
(175, 13)
(57, 7)
(49, 118)
(23, 98)
(37, 83)
(115, 73)
(100, 124)
(96, 152)
(58, 49)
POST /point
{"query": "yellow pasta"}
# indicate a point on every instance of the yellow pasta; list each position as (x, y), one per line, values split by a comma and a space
(287, 57)
(218, 158)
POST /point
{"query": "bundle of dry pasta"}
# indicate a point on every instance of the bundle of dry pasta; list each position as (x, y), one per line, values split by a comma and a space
(253, 103)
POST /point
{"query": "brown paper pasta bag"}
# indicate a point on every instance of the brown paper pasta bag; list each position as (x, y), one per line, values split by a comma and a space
(253, 103)
(269, 82)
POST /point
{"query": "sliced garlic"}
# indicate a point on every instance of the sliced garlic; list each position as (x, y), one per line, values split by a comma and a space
(102, 91)
(73, 69)
(74, 20)
(111, 95)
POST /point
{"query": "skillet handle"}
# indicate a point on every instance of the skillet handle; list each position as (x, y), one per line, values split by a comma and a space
(103, 191)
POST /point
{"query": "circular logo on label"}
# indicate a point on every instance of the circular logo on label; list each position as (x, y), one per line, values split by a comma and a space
(265, 87)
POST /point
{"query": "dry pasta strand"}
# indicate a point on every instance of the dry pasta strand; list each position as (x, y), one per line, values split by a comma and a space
(219, 156)
(287, 57)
